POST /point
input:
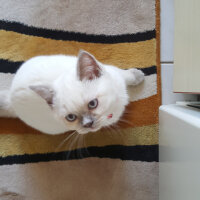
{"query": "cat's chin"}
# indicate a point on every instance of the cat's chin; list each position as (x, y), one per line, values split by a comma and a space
(85, 131)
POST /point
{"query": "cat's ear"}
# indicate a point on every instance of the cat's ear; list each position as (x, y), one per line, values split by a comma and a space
(87, 66)
(46, 92)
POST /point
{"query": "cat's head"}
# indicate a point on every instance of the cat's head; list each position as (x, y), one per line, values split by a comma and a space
(88, 99)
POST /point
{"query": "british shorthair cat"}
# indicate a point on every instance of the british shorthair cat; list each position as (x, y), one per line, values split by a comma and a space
(60, 93)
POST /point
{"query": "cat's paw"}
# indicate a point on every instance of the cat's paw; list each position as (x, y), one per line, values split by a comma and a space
(138, 76)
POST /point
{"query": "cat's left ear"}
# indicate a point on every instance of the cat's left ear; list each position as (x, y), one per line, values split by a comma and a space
(46, 92)
(87, 66)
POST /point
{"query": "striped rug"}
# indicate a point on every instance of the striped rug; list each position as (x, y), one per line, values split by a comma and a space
(120, 164)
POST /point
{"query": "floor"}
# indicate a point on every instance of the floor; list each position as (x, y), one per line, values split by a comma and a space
(167, 59)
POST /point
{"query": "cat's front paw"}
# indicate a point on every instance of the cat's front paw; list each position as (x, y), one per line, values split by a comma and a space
(138, 76)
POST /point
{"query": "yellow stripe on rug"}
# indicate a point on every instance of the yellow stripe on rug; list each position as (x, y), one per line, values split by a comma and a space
(19, 144)
(123, 55)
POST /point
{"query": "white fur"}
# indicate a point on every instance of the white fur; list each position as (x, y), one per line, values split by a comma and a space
(71, 95)
(6, 109)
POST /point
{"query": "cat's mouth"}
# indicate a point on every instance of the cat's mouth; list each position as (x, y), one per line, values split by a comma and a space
(95, 126)
(87, 130)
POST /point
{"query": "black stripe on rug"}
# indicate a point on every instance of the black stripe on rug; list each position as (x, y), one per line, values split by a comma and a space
(149, 70)
(147, 153)
(7, 66)
(75, 36)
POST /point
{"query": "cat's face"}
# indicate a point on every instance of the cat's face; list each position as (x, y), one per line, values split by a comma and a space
(91, 101)
(90, 105)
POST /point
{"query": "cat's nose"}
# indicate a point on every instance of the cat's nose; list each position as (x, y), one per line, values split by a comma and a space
(88, 125)
(87, 121)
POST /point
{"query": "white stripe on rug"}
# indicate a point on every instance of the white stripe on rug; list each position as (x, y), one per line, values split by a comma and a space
(130, 16)
(86, 179)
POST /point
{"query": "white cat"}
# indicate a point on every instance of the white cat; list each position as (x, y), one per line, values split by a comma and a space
(59, 93)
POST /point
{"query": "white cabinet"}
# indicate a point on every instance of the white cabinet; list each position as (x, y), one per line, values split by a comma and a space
(179, 153)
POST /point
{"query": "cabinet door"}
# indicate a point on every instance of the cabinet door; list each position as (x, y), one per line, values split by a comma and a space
(187, 46)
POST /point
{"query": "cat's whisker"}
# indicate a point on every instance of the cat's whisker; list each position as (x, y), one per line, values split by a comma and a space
(99, 120)
(110, 131)
(73, 145)
(113, 129)
(77, 147)
(65, 140)
(125, 121)
(117, 128)
(128, 111)
(85, 146)
(80, 146)
(127, 115)
(70, 149)
(79, 140)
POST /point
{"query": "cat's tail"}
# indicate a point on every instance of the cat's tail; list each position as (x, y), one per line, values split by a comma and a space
(6, 109)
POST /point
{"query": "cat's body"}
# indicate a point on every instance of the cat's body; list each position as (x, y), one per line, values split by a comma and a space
(55, 94)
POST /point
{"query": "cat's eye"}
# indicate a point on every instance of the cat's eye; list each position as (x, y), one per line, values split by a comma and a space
(71, 117)
(93, 104)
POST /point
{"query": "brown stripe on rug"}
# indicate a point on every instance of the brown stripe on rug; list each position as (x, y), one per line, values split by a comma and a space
(139, 113)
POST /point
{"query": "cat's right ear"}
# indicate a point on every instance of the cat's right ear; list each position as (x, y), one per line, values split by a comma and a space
(87, 66)
(45, 92)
